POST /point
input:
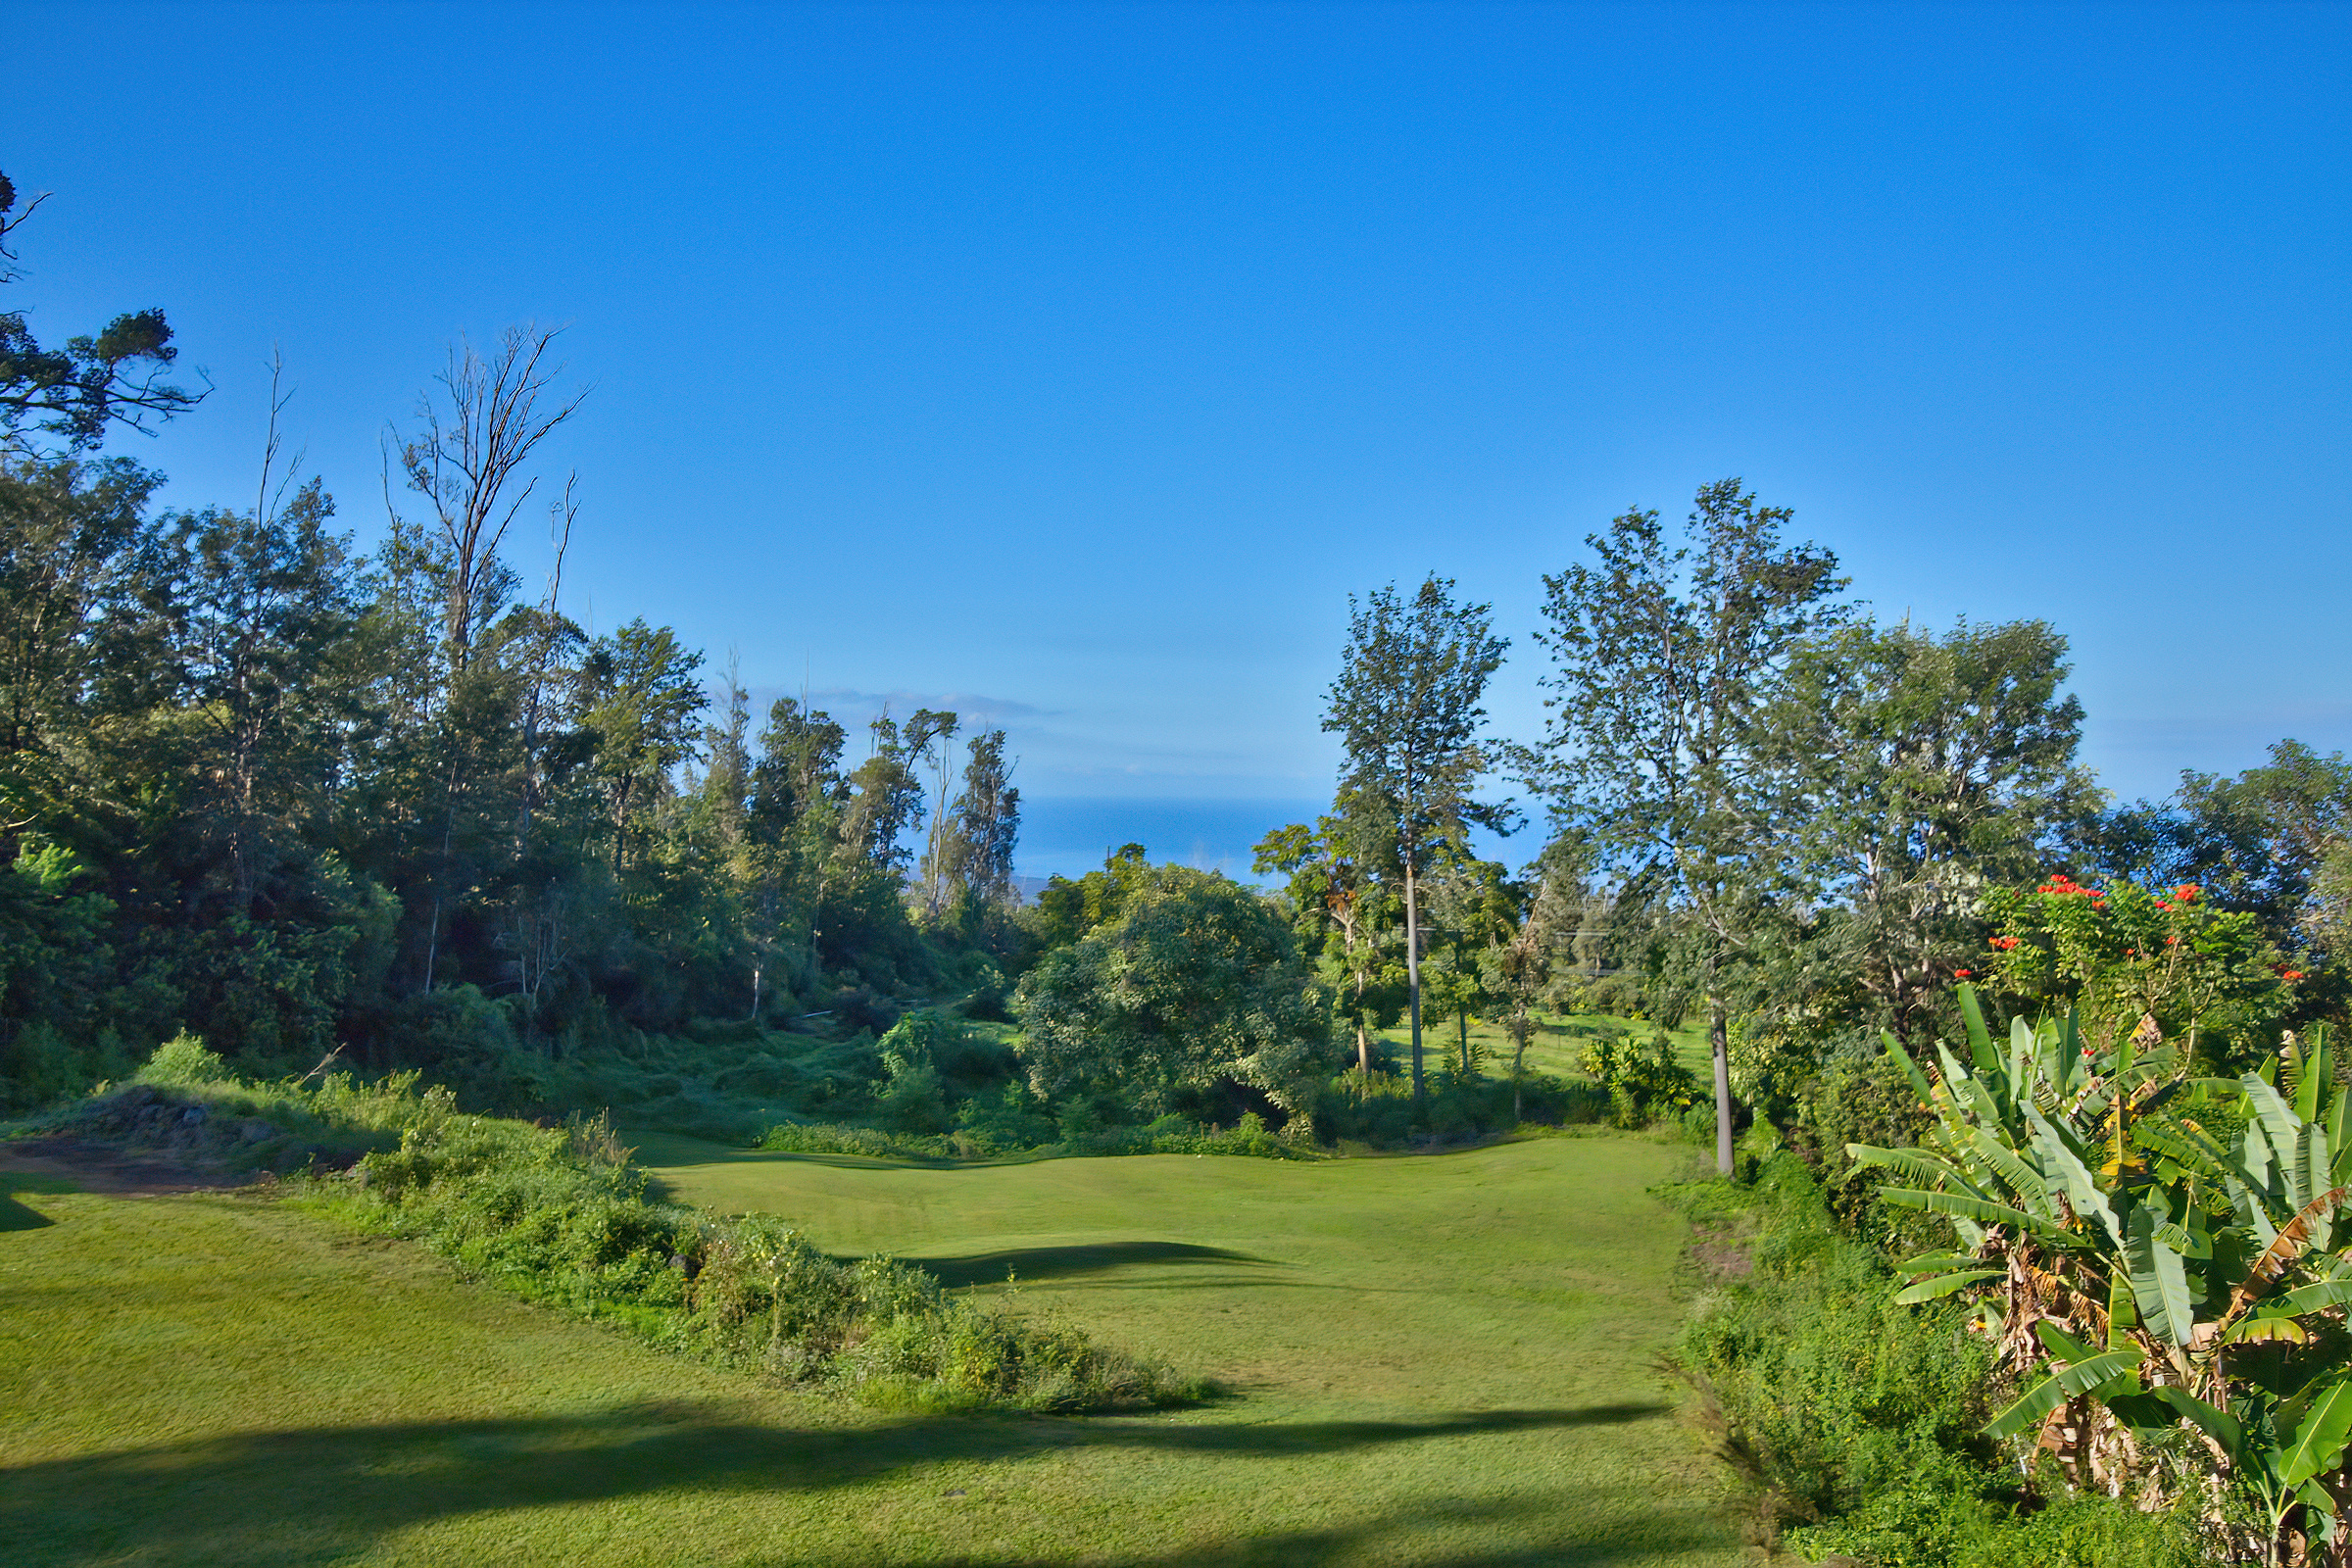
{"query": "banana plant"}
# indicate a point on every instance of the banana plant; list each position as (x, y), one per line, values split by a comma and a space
(2138, 1269)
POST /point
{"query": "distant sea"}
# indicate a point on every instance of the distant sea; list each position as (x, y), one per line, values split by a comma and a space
(1070, 835)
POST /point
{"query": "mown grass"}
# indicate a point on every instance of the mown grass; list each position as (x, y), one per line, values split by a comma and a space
(1444, 1361)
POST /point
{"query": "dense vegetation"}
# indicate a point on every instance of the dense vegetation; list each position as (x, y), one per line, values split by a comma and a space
(276, 806)
(561, 1216)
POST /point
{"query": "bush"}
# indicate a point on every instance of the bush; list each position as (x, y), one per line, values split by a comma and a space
(182, 1060)
(1863, 1418)
(1379, 1111)
(1645, 1082)
(558, 1215)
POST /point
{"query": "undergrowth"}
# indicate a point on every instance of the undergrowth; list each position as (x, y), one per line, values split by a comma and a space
(560, 1216)
(1169, 1134)
(1861, 1418)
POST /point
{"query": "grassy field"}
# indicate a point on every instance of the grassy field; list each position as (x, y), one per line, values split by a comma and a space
(1557, 1049)
(1442, 1361)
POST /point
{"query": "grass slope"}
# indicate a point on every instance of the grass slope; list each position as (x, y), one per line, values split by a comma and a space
(1505, 1304)
(1445, 1361)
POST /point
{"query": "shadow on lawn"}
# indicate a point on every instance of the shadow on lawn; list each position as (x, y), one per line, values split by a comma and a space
(1068, 1262)
(281, 1498)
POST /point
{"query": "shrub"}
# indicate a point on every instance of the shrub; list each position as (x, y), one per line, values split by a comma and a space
(182, 1060)
(558, 1215)
(1645, 1082)
(1864, 1418)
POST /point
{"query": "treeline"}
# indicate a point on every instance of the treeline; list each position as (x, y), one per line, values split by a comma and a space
(291, 797)
(1765, 811)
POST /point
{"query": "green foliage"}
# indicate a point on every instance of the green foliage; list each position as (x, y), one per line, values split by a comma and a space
(1645, 1082)
(2208, 976)
(1195, 979)
(522, 1207)
(2181, 1281)
(1863, 1416)
(1363, 1112)
(73, 397)
(182, 1060)
(560, 1216)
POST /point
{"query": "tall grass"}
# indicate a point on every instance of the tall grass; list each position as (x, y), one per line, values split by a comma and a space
(560, 1216)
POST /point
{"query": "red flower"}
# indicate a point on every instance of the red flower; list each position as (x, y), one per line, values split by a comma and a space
(2130, 953)
(2004, 943)
(1964, 974)
(2166, 907)
(2172, 941)
(2290, 974)
(2188, 892)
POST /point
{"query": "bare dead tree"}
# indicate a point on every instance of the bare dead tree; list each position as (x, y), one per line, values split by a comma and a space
(468, 461)
(548, 634)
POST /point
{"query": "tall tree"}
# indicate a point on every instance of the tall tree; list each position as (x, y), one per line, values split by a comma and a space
(926, 741)
(644, 699)
(1344, 913)
(1407, 709)
(71, 397)
(888, 801)
(987, 824)
(1915, 772)
(1664, 657)
(258, 604)
(469, 460)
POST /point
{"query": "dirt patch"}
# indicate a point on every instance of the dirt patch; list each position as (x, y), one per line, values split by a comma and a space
(1720, 1254)
(96, 1169)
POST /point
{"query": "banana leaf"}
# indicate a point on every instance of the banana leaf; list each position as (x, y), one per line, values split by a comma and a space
(1903, 1058)
(2080, 1378)
(1912, 1162)
(2314, 1298)
(2159, 1285)
(2218, 1423)
(1930, 1290)
(1961, 1205)
(2318, 1446)
(1980, 1038)
(2081, 1184)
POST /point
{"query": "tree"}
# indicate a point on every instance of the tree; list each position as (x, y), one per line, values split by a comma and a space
(887, 799)
(926, 740)
(69, 571)
(2275, 841)
(1519, 971)
(1406, 708)
(987, 824)
(1344, 915)
(1665, 657)
(74, 394)
(1193, 980)
(258, 605)
(1915, 774)
(468, 461)
(645, 697)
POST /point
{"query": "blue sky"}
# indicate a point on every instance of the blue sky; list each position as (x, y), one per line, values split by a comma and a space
(1071, 365)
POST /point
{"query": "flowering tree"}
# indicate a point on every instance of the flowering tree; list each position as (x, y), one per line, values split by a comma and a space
(2208, 976)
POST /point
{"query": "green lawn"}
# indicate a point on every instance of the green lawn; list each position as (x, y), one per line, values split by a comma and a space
(1555, 1048)
(1446, 1361)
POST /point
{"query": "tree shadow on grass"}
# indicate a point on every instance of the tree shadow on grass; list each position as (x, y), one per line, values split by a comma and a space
(15, 1217)
(272, 1498)
(1072, 1261)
